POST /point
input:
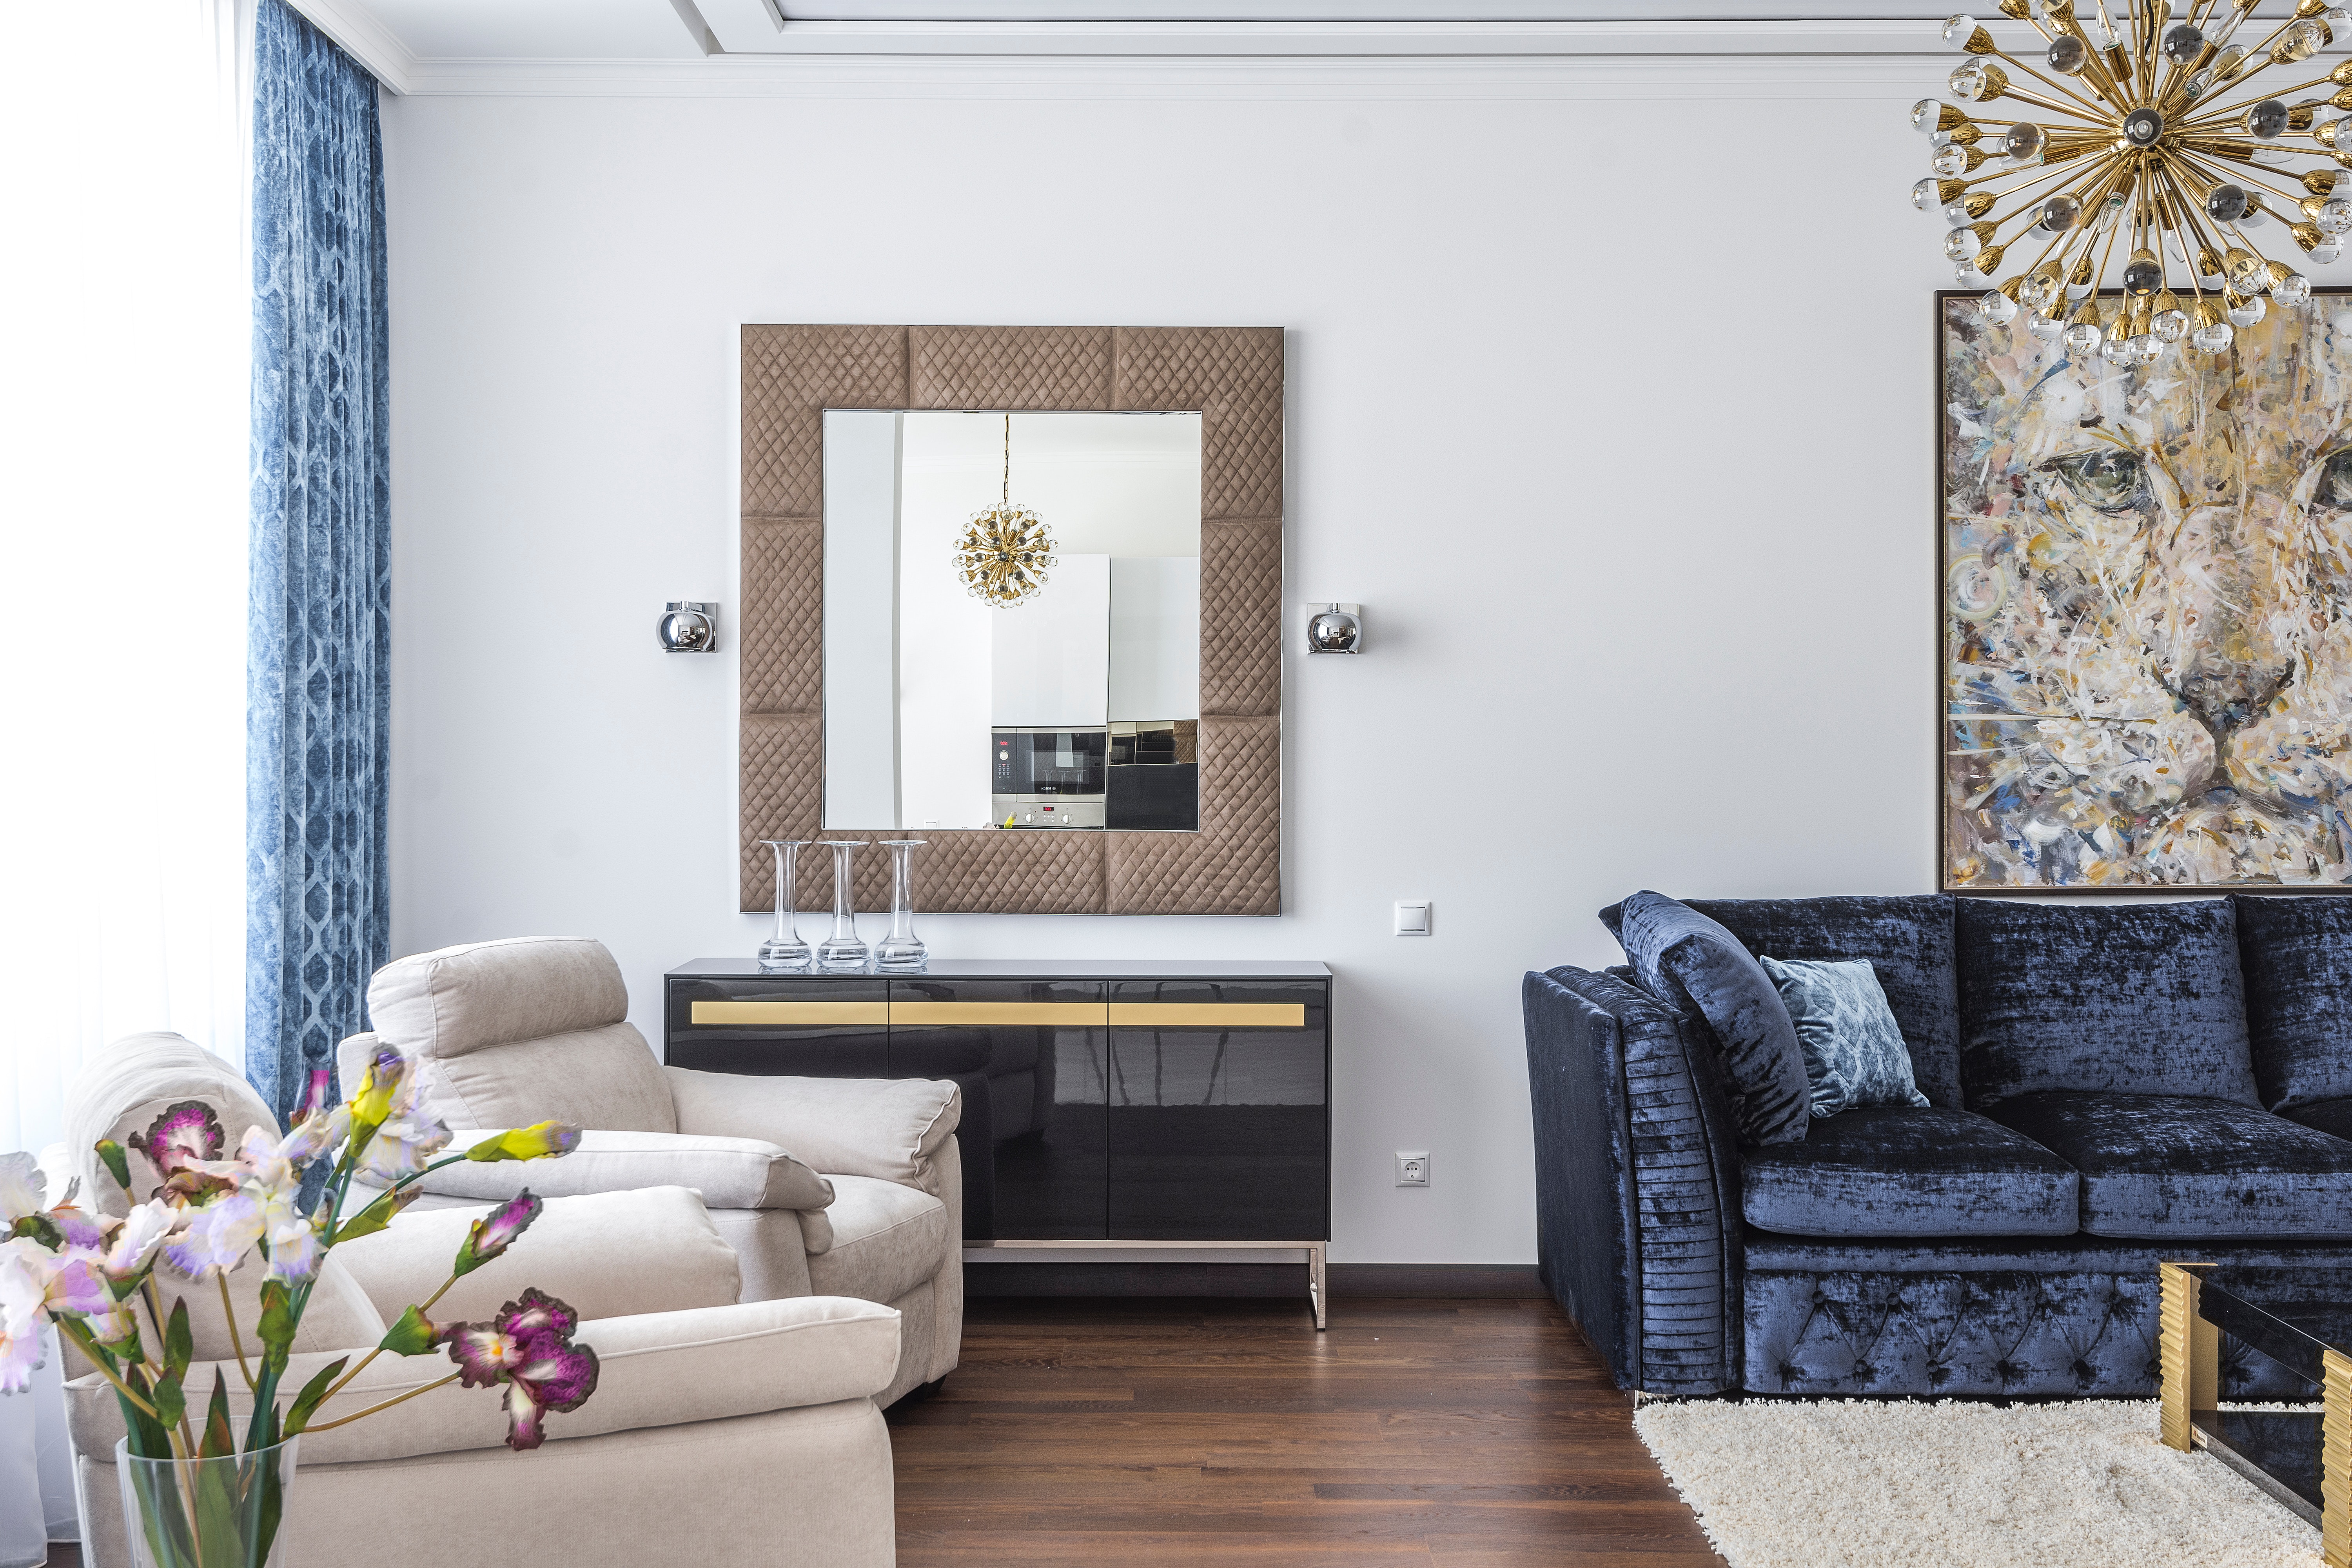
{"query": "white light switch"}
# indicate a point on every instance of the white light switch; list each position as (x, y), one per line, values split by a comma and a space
(1412, 918)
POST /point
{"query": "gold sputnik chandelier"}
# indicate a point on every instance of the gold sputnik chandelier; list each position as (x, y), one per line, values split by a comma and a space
(2164, 147)
(1005, 551)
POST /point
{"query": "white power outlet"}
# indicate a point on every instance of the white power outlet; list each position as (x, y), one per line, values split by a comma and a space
(1412, 1168)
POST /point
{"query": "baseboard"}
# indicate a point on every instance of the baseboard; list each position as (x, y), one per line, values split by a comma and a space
(1502, 1281)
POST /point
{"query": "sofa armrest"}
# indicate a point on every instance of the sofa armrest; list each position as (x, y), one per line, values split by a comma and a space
(1636, 1180)
(660, 1368)
(891, 1129)
(608, 1254)
(729, 1172)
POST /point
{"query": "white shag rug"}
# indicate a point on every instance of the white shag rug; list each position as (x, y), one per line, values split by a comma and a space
(1856, 1484)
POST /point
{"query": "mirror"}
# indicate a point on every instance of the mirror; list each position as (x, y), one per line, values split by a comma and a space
(1012, 621)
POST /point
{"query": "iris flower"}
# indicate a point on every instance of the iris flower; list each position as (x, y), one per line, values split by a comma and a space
(24, 1189)
(495, 1231)
(135, 1240)
(217, 1236)
(293, 1250)
(528, 1347)
(20, 1322)
(187, 1134)
(540, 1141)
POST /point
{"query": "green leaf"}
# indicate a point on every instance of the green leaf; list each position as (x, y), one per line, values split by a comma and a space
(412, 1335)
(170, 1403)
(148, 1440)
(376, 1215)
(273, 1499)
(110, 1155)
(277, 1326)
(41, 1229)
(219, 1442)
(306, 1403)
(179, 1345)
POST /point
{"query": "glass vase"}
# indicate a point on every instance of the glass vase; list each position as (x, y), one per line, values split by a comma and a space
(206, 1513)
(785, 949)
(902, 949)
(844, 949)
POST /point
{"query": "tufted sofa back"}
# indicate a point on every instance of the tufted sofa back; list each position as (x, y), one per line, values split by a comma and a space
(516, 1031)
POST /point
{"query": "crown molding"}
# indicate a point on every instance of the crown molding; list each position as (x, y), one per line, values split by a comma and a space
(1606, 59)
(1328, 40)
(361, 35)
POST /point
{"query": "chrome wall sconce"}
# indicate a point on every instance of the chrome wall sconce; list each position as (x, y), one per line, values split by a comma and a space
(1335, 628)
(689, 625)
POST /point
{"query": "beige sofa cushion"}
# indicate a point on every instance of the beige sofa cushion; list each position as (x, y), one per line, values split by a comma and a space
(888, 1129)
(608, 1256)
(458, 999)
(886, 1239)
(729, 1172)
(663, 1369)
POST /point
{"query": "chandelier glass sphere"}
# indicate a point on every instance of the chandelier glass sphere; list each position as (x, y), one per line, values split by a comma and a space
(2146, 157)
(1004, 552)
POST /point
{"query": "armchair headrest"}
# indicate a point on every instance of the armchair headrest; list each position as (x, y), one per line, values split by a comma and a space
(477, 995)
(130, 1083)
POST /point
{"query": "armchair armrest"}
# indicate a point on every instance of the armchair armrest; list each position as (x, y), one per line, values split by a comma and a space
(660, 1368)
(730, 1172)
(1636, 1180)
(608, 1254)
(889, 1129)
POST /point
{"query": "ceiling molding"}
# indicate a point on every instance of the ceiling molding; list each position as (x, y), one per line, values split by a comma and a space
(1718, 75)
(358, 32)
(1328, 40)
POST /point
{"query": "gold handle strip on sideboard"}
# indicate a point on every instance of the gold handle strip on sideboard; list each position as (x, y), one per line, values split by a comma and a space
(1209, 1014)
(1062, 1014)
(786, 1013)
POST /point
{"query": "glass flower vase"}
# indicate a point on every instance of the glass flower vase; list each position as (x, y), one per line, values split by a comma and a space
(844, 949)
(902, 949)
(206, 1513)
(785, 949)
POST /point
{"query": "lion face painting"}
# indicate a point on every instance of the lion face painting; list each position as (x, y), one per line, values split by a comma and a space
(2147, 609)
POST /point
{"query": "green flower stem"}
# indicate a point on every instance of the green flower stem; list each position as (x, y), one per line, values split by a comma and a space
(106, 1372)
(155, 1316)
(337, 1388)
(396, 1399)
(236, 1342)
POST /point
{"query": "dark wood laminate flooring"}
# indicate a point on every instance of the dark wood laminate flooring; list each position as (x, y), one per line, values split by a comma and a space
(1458, 1434)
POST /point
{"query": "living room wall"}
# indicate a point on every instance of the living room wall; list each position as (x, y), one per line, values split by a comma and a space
(1610, 400)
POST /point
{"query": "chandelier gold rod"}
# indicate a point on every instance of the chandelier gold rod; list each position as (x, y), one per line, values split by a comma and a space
(2247, 177)
(2092, 111)
(2037, 101)
(2194, 229)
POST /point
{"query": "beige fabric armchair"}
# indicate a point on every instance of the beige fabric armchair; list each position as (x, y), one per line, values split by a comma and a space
(720, 1431)
(823, 1186)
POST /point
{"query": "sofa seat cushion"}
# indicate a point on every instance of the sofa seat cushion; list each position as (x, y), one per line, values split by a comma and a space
(2171, 1167)
(2117, 999)
(1907, 942)
(886, 1240)
(1910, 1171)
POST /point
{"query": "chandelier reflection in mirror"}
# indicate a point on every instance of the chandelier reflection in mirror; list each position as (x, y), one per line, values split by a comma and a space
(2155, 156)
(1005, 551)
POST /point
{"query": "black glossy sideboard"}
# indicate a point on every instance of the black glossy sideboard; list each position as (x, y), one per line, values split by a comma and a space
(1104, 1104)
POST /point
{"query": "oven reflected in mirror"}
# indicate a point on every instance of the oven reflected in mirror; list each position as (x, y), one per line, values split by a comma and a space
(1011, 620)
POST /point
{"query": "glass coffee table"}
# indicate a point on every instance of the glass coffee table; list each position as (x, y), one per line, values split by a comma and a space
(2302, 1458)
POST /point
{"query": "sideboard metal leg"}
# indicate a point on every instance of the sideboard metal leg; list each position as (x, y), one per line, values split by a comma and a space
(1318, 1289)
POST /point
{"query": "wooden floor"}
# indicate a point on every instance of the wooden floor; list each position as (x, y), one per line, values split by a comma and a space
(1466, 1434)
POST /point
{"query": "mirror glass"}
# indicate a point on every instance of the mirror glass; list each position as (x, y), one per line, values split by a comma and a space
(1011, 620)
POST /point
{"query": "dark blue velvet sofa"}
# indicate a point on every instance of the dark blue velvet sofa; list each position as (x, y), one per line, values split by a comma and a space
(2111, 1085)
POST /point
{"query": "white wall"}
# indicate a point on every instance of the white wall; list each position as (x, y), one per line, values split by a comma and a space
(861, 629)
(1610, 399)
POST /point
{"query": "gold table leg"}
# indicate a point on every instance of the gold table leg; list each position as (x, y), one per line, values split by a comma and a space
(2335, 1459)
(2188, 1357)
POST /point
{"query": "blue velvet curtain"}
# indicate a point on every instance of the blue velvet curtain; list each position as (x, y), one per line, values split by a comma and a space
(319, 673)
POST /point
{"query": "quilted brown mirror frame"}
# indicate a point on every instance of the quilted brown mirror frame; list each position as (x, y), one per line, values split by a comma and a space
(1233, 377)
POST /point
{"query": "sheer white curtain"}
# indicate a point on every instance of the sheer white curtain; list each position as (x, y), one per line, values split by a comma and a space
(125, 325)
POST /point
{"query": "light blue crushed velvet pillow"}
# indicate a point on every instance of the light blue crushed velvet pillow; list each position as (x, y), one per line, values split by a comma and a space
(1854, 1049)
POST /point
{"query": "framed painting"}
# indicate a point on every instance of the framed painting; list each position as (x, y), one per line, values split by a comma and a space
(2145, 667)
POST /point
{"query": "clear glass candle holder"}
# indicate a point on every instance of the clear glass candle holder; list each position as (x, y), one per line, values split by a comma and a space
(844, 949)
(785, 949)
(902, 949)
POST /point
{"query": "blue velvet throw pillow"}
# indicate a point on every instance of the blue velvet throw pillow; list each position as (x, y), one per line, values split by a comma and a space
(1682, 957)
(1855, 1054)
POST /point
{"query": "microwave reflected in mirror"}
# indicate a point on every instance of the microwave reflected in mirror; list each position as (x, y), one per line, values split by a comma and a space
(1012, 621)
